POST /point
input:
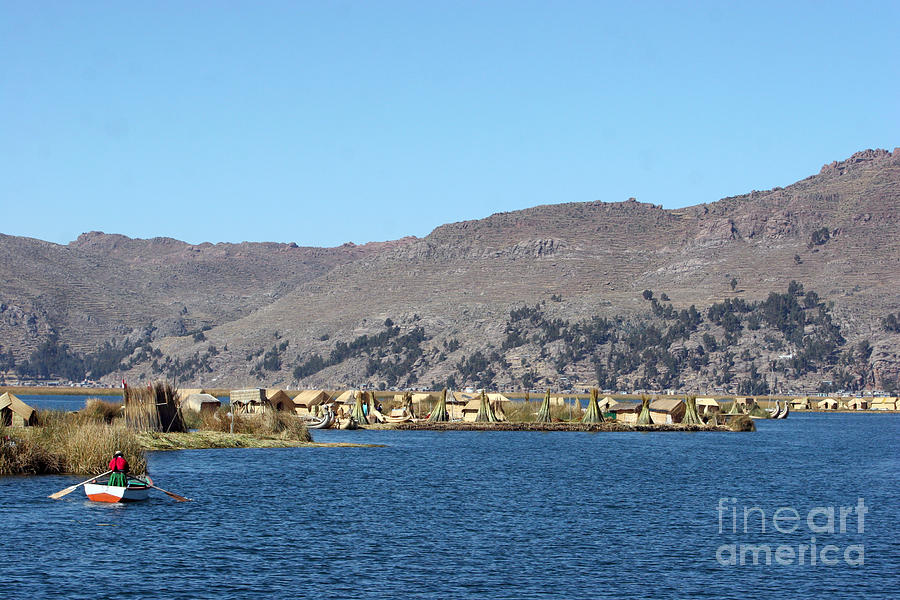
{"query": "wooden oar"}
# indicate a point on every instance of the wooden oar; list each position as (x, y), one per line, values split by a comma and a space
(170, 494)
(72, 488)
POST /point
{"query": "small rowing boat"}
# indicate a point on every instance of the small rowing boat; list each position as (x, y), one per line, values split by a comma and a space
(135, 491)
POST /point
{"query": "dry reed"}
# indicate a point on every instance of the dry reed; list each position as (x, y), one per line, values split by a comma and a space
(67, 443)
(101, 410)
(153, 408)
(270, 423)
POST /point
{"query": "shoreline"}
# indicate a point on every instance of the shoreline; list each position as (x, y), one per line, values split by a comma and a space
(207, 440)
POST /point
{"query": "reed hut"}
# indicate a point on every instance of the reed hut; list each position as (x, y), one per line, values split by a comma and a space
(691, 416)
(735, 408)
(667, 410)
(15, 413)
(605, 404)
(884, 403)
(153, 408)
(828, 404)
(201, 403)
(543, 415)
(801, 404)
(306, 401)
(644, 417)
(626, 412)
(744, 402)
(470, 410)
(280, 401)
(249, 401)
(439, 412)
(708, 406)
(347, 398)
(858, 404)
(593, 414)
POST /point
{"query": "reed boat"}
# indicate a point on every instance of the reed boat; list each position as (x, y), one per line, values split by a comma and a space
(322, 423)
(135, 491)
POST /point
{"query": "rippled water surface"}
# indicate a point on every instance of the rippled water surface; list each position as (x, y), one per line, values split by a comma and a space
(478, 515)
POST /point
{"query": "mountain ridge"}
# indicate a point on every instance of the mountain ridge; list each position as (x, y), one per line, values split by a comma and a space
(834, 232)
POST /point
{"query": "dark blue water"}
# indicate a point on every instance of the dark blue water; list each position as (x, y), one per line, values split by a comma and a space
(474, 515)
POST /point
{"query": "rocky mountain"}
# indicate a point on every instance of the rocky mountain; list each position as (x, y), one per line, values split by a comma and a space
(562, 295)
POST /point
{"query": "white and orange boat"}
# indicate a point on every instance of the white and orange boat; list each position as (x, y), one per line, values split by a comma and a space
(135, 491)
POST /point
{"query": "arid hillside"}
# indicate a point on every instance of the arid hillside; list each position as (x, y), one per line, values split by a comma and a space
(565, 295)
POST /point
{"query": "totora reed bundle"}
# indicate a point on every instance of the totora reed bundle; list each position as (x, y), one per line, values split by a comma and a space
(543, 415)
(593, 414)
(485, 411)
(644, 417)
(358, 414)
(691, 416)
(439, 412)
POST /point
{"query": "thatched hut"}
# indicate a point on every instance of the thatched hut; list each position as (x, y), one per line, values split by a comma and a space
(828, 404)
(858, 404)
(199, 402)
(306, 401)
(667, 410)
(470, 410)
(744, 402)
(249, 401)
(708, 406)
(626, 412)
(605, 404)
(801, 404)
(15, 413)
(884, 403)
(280, 401)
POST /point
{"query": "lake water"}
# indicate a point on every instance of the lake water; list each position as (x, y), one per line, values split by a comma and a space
(477, 515)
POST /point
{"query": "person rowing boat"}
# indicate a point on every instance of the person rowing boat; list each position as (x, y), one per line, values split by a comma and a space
(119, 467)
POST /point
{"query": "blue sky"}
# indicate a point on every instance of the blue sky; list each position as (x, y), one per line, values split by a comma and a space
(326, 122)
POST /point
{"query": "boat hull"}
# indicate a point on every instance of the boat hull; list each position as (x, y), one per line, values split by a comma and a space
(110, 493)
